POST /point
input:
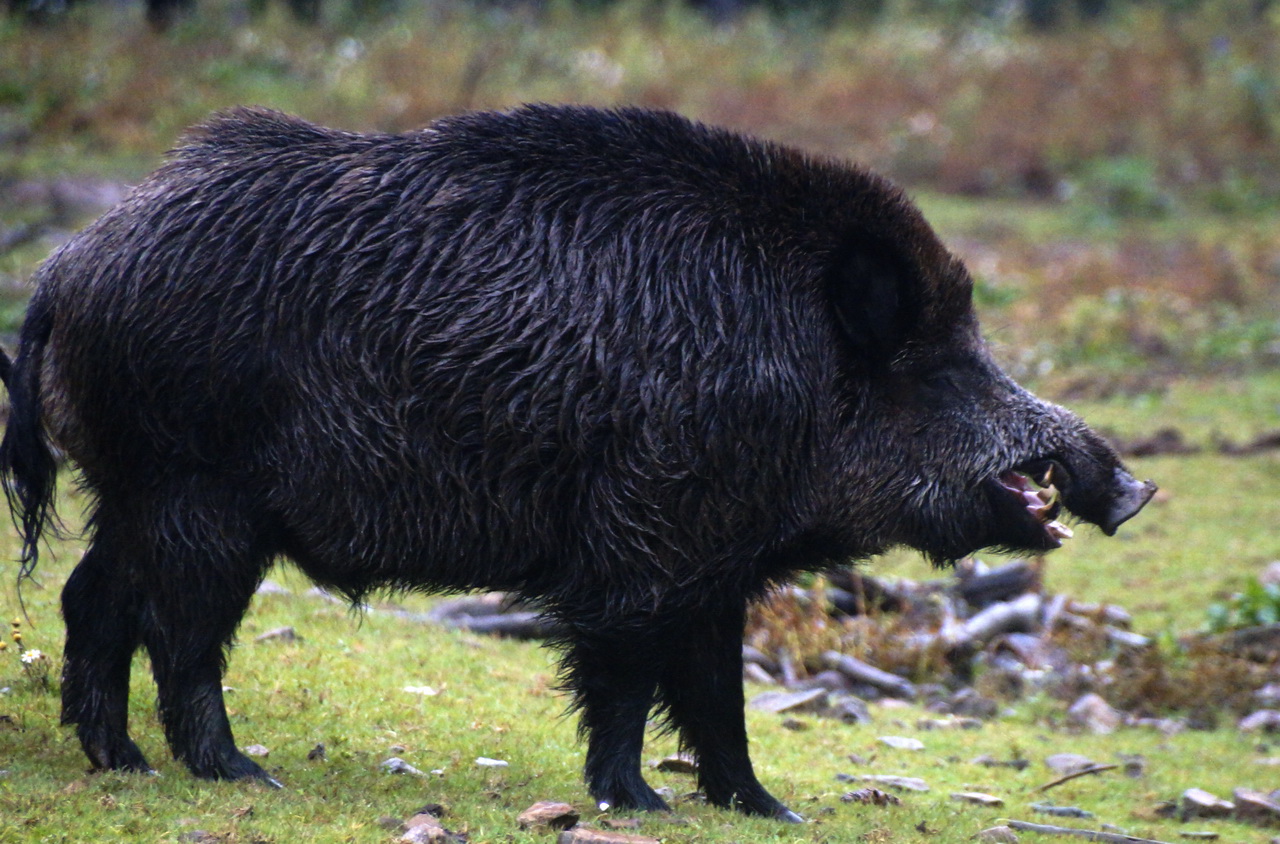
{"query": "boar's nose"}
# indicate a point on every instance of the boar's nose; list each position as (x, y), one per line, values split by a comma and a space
(1131, 495)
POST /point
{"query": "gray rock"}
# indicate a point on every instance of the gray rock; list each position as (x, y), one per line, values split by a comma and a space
(1094, 714)
(586, 835)
(1198, 803)
(997, 835)
(680, 763)
(813, 700)
(1060, 811)
(977, 798)
(888, 781)
(1264, 720)
(396, 765)
(1068, 763)
(849, 709)
(547, 814)
(1256, 808)
(280, 634)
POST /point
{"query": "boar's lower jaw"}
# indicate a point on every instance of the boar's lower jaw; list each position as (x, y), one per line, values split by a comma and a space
(1028, 505)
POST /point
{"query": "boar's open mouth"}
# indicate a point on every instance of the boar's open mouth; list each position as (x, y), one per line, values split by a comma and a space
(1030, 503)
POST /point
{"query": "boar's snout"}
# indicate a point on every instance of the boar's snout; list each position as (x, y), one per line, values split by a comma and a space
(1126, 496)
(1099, 490)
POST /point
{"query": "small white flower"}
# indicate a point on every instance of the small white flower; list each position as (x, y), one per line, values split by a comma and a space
(31, 656)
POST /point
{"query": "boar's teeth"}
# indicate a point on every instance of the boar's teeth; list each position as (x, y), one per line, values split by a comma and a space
(1048, 495)
(1058, 530)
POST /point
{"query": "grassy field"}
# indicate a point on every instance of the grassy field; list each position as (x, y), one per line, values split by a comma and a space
(1116, 190)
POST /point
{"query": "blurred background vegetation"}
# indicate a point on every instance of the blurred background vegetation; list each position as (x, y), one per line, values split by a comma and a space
(1109, 168)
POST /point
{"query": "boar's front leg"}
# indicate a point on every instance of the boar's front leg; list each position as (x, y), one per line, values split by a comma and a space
(701, 690)
(613, 677)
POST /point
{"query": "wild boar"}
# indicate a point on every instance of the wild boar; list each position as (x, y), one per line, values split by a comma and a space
(630, 367)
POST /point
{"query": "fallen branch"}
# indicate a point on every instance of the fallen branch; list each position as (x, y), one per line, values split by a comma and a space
(1091, 834)
(1084, 772)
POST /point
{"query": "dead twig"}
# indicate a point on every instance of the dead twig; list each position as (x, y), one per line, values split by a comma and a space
(1091, 834)
(1092, 769)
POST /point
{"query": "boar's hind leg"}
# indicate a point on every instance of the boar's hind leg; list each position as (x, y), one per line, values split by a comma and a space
(613, 681)
(100, 606)
(701, 690)
(205, 563)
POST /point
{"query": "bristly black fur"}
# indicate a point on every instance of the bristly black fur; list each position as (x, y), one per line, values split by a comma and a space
(630, 367)
(28, 469)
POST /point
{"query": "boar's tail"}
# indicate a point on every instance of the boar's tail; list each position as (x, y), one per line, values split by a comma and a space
(28, 469)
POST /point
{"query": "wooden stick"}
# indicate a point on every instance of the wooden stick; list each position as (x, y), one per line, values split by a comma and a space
(1092, 835)
(1092, 769)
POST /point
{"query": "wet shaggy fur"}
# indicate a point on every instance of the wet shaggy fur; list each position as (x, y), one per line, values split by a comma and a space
(631, 367)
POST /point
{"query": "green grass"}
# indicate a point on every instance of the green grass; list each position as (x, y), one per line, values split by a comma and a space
(342, 685)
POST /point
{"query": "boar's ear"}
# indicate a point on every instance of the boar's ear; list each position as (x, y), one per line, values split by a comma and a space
(871, 292)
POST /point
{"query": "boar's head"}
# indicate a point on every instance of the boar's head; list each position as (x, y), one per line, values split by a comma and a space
(947, 453)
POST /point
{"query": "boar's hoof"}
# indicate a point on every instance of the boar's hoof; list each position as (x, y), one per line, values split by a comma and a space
(1131, 496)
(114, 755)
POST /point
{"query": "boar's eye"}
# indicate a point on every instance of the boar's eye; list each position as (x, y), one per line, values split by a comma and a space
(870, 287)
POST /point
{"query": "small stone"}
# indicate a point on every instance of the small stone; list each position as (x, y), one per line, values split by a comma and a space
(1060, 811)
(795, 725)
(1264, 720)
(316, 754)
(902, 742)
(1269, 696)
(997, 835)
(977, 798)
(989, 761)
(424, 829)
(1198, 803)
(1255, 807)
(888, 781)
(850, 710)
(968, 702)
(425, 691)
(418, 819)
(1168, 726)
(270, 587)
(678, 764)
(199, 836)
(1094, 714)
(951, 722)
(1135, 764)
(548, 814)
(871, 797)
(396, 765)
(1068, 763)
(486, 762)
(832, 681)
(257, 750)
(586, 835)
(813, 700)
(280, 634)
